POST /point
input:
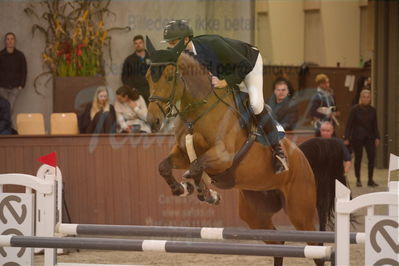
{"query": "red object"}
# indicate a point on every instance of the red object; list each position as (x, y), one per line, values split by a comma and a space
(49, 159)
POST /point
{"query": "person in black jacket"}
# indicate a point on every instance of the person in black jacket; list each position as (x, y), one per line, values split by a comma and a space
(135, 67)
(12, 70)
(362, 131)
(235, 64)
(5, 117)
(99, 116)
(284, 108)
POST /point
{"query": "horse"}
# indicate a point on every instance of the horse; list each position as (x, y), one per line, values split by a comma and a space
(180, 85)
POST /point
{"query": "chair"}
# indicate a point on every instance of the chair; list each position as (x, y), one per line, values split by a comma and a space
(64, 124)
(30, 124)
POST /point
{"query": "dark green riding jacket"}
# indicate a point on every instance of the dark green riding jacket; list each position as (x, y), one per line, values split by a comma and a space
(226, 58)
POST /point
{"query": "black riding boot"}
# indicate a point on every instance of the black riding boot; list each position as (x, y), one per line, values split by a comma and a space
(267, 123)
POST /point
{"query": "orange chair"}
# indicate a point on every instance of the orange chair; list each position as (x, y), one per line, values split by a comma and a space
(64, 124)
(30, 124)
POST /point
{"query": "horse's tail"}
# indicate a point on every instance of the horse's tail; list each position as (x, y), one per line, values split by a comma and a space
(326, 159)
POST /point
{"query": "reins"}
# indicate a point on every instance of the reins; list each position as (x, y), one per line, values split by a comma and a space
(170, 101)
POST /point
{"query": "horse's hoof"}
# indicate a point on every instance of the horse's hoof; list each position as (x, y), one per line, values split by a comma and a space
(186, 174)
(188, 189)
(177, 189)
(212, 198)
(201, 197)
(215, 197)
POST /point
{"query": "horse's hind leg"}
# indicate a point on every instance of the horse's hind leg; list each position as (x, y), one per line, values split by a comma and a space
(175, 160)
(256, 208)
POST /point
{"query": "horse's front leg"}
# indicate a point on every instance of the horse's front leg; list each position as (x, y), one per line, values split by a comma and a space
(216, 158)
(176, 160)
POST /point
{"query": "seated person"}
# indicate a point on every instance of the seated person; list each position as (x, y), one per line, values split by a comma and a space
(131, 111)
(327, 131)
(99, 116)
(5, 117)
(284, 108)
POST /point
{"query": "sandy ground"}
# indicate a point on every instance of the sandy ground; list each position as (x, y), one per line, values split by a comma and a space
(177, 259)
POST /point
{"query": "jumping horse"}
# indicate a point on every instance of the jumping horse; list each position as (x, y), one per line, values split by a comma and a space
(207, 118)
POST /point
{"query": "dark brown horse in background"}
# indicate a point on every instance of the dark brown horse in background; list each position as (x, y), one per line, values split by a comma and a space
(183, 86)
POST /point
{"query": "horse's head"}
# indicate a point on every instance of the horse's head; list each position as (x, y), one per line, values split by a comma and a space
(166, 87)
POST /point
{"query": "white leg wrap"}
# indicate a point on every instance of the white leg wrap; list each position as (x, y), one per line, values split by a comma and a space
(215, 195)
(186, 192)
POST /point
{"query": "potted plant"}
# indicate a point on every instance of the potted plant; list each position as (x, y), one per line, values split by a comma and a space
(75, 38)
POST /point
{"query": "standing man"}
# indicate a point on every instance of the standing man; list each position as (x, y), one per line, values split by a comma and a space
(12, 70)
(327, 132)
(135, 67)
(323, 106)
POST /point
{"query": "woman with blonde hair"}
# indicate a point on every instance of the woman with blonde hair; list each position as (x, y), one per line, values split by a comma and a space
(362, 131)
(99, 115)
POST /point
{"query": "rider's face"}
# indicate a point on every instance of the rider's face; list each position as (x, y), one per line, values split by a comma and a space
(173, 43)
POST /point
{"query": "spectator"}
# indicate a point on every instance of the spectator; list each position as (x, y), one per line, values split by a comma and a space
(323, 103)
(363, 83)
(327, 132)
(131, 111)
(5, 117)
(99, 116)
(12, 70)
(135, 67)
(284, 108)
(362, 131)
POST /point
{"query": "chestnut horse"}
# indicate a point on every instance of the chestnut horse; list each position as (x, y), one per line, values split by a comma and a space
(182, 86)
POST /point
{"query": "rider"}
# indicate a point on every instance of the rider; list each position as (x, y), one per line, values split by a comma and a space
(232, 63)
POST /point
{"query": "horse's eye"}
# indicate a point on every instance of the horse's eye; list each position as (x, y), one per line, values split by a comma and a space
(169, 78)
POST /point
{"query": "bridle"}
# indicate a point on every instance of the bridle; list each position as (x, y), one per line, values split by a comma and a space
(170, 100)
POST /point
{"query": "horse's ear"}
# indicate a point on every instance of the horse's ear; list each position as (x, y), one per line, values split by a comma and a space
(179, 48)
(150, 47)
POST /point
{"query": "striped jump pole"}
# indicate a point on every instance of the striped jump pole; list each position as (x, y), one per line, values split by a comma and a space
(204, 233)
(312, 252)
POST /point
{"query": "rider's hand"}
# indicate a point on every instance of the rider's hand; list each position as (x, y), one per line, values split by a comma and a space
(217, 83)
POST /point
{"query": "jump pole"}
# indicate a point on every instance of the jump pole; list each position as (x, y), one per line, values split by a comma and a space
(312, 252)
(204, 233)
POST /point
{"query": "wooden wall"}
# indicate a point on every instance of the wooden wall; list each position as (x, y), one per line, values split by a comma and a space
(113, 179)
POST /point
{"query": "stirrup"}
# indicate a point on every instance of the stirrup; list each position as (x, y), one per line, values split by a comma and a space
(284, 163)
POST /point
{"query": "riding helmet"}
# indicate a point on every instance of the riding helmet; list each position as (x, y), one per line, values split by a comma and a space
(177, 29)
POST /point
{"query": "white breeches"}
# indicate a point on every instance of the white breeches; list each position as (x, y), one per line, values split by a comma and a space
(253, 84)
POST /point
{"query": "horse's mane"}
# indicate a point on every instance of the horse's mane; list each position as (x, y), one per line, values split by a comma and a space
(195, 74)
